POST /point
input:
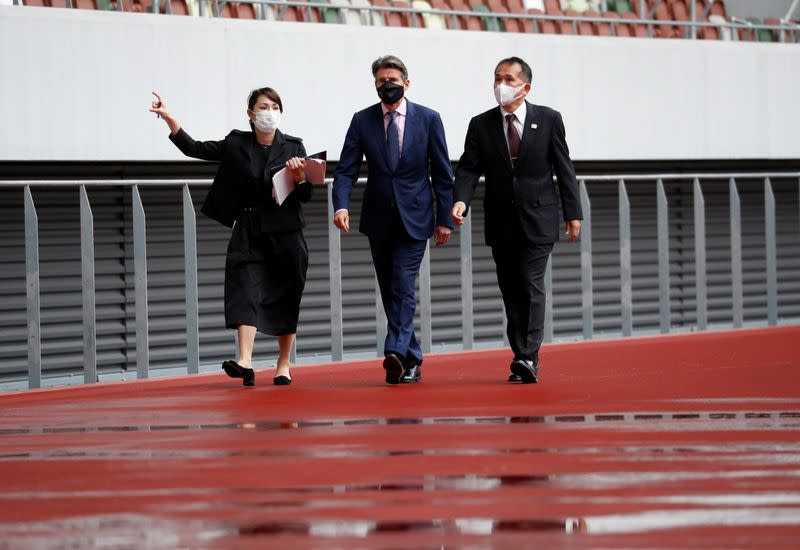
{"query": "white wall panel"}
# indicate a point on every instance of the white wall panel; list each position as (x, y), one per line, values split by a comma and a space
(76, 85)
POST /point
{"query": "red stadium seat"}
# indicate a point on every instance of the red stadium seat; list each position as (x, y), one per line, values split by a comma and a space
(451, 21)
(407, 17)
(499, 6)
(243, 11)
(600, 29)
(393, 18)
(585, 28)
(518, 7)
(469, 23)
(619, 28)
(637, 29)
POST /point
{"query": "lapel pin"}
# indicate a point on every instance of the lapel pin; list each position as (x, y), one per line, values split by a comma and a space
(534, 126)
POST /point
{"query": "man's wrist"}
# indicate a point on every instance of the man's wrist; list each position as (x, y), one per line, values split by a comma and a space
(341, 210)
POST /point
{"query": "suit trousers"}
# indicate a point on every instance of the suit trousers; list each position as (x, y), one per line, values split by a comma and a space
(397, 259)
(520, 267)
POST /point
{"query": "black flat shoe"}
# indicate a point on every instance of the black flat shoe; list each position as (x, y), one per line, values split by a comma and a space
(393, 367)
(527, 370)
(514, 377)
(412, 374)
(232, 369)
(248, 377)
(281, 380)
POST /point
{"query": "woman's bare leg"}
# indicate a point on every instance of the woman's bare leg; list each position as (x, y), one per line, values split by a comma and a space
(285, 342)
(246, 336)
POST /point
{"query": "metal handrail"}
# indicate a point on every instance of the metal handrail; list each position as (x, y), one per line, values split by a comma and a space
(33, 291)
(173, 182)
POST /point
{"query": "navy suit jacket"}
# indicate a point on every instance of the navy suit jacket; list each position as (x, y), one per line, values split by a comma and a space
(421, 188)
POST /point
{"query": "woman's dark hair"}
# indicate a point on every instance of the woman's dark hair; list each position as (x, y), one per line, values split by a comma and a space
(271, 94)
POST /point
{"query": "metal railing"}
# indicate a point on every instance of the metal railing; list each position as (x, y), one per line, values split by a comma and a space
(34, 343)
(786, 30)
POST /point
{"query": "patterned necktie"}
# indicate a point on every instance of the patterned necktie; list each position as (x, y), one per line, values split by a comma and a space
(393, 141)
(513, 138)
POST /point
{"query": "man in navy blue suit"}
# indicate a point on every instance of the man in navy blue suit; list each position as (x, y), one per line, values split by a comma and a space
(407, 200)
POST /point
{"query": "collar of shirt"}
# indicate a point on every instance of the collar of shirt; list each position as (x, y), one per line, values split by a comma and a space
(401, 110)
(521, 112)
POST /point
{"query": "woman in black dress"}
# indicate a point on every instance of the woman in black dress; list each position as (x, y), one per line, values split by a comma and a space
(267, 258)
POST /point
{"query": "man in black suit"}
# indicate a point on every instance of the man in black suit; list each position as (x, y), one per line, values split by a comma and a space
(518, 146)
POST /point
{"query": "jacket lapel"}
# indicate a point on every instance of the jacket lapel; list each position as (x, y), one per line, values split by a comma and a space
(408, 129)
(276, 151)
(528, 131)
(379, 133)
(499, 137)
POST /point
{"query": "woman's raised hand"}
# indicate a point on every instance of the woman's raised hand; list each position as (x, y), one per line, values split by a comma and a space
(297, 166)
(159, 107)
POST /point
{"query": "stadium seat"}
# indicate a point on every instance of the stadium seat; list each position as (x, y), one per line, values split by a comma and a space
(724, 32)
(509, 24)
(600, 29)
(534, 5)
(452, 21)
(584, 28)
(552, 7)
(767, 35)
(243, 11)
(430, 20)
(330, 15)
(467, 22)
(346, 16)
(493, 24)
(638, 30)
(618, 28)
(392, 18)
(621, 6)
(518, 7)
(663, 13)
(407, 17)
(368, 17)
(580, 6)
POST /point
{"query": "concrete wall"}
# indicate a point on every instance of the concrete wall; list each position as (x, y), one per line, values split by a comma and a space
(76, 85)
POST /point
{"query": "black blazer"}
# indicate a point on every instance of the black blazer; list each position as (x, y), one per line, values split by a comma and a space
(236, 178)
(523, 194)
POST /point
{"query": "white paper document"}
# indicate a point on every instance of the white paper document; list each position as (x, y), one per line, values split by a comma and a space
(283, 183)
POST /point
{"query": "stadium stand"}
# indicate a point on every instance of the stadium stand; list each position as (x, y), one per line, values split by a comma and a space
(626, 18)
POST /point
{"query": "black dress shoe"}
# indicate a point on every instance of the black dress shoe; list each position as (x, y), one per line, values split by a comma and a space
(393, 367)
(411, 374)
(248, 377)
(527, 370)
(514, 377)
(232, 369)
(281, 380)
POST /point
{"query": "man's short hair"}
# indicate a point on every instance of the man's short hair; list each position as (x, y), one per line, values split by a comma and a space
(526, 69)
(389, 62)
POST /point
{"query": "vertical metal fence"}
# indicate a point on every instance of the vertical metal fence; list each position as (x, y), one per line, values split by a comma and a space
(587, 298)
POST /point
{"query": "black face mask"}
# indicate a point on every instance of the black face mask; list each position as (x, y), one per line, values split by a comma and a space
(390, 93)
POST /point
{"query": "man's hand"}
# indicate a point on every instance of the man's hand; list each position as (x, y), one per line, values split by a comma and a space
(573, 229)
(442, 234)
(458, 213)
(342, 220)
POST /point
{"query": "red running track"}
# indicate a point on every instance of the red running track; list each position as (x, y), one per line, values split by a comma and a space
(689, 441)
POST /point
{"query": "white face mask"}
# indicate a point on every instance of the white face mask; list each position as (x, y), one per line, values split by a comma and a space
(505, 94)
(267, 121)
